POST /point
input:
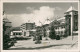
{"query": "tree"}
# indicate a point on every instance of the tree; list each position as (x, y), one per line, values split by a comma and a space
(52, 33)
(7, 41)
(38, 35)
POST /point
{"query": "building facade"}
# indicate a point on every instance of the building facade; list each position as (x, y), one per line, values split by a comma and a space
(67, 25)
(59, 26)
(7, 25)
(16, 32)
(71, 18)
(27, 28)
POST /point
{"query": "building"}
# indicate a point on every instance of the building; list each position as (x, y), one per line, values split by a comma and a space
(67, 25)
(46, 27)
(71, 18)
(7, 25)
(16, 32)
(46, 30)
(39, 29)
(27, 28)
(59, 26)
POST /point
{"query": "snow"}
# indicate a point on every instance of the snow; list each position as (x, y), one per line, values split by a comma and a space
(65, 43)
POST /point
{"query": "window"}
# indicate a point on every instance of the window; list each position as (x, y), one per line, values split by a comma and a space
(20, 33)
(59, 32)
(64, 26)
(55, 27)
(14, 34)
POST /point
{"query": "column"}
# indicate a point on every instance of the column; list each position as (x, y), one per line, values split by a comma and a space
(72, 25)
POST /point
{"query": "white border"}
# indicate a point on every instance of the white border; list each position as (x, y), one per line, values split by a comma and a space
(40, 0)
(28, 1)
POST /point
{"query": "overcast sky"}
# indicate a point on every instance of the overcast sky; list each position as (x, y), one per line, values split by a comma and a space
(19, 13)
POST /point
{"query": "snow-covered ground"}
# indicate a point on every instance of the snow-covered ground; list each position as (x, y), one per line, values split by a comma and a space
(66, 43)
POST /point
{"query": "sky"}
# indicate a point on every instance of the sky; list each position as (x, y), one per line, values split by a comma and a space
(19, 13)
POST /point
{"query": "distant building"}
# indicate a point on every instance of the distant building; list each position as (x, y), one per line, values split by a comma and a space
(46, 30)
(71, 18)
(16, 32)
(46, 27)
(39, 29)
(27, 28)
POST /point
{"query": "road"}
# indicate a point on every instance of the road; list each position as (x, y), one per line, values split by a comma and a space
(65, 43)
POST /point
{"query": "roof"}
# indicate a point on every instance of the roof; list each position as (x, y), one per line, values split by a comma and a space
(27, 23)
(71, 9)
(55, 22)
(8, 24)
(15, 29)
(62, 18)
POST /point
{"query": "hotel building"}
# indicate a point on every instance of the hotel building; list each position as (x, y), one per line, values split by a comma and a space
(67, 25)
(71, 18)
(27, 28)
(59, 26)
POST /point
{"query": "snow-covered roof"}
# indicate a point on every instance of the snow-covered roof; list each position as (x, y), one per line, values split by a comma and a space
(63, 18)
(71, 8)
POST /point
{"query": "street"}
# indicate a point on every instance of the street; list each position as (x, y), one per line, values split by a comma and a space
(65, 43)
